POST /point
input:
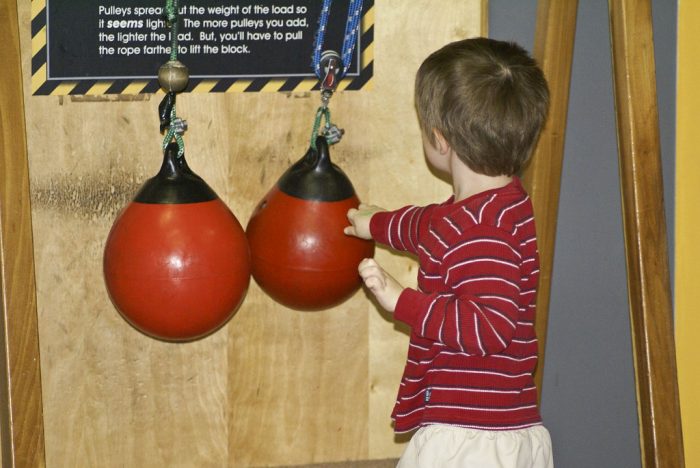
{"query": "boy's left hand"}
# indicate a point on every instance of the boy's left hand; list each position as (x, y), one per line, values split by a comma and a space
(384, 287)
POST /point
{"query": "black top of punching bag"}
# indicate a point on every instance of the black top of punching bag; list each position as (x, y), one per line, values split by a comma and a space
(175, 183)
(315, 177)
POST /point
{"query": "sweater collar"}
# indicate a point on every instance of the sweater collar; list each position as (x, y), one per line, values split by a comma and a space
(514, 187)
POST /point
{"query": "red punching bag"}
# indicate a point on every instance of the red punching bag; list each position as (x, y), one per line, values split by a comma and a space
(176, 262)
(301, 257)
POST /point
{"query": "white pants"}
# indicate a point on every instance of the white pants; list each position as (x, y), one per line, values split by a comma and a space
(443, 446)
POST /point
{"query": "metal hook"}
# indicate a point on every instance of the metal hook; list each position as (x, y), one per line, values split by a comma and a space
(179, 126)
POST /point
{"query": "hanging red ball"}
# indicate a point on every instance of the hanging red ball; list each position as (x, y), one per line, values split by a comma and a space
(300, 255)
(176, 261)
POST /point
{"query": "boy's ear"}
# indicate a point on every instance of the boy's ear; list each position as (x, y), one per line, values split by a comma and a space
(440, 142)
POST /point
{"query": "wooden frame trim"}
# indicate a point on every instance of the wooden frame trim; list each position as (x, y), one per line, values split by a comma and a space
(21, 406)
(648, 280)
(554, 50)
(484, 18)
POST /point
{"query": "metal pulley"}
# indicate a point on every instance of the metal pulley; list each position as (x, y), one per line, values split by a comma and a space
(331, 65)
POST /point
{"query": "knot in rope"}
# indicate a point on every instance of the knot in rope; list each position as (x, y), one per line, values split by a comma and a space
(167, 114)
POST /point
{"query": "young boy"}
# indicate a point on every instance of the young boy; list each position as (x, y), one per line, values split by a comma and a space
(468, 384)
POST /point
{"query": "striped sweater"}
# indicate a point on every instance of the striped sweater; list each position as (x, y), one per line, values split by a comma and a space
(473, 347)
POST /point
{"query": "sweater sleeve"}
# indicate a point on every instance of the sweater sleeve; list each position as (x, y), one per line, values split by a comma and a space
(478, 311)
(398, 229)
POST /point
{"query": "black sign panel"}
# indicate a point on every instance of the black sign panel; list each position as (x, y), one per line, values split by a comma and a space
(128, 39)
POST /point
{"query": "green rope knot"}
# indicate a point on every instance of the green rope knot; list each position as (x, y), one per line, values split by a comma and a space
(330, 131)
(175, 130)
(322, 112)
(176, 126)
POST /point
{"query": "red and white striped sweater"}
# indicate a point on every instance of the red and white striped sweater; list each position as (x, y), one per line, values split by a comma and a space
(473, 347)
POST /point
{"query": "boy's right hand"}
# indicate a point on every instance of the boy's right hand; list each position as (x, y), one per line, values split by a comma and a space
(359, 220)
(384, 287)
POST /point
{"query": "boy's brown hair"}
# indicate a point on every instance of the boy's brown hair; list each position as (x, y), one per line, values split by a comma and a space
(488, 98)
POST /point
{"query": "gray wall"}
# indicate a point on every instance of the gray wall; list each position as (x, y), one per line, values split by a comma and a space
(588, 398)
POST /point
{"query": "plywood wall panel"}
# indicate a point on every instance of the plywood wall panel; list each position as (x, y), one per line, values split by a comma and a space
(399, 174)
(274, 386)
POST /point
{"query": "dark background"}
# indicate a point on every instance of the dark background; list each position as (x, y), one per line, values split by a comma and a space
(588, 397)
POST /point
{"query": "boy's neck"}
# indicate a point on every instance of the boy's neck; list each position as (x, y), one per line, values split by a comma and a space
(466, 183)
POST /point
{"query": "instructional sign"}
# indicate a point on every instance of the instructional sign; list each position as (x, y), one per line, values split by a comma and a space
(117, 46)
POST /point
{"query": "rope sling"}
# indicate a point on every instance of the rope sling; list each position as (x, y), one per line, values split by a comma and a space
(329, 71)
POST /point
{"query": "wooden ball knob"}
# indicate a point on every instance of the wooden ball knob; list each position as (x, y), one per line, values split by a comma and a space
(173, 76)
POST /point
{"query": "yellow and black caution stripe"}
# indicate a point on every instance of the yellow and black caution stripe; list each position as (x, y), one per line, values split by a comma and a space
(42, 86)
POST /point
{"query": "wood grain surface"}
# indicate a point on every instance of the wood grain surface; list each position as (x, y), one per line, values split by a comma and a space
(554, 48)
(274, 386)
(21, 423)
(651, 311)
